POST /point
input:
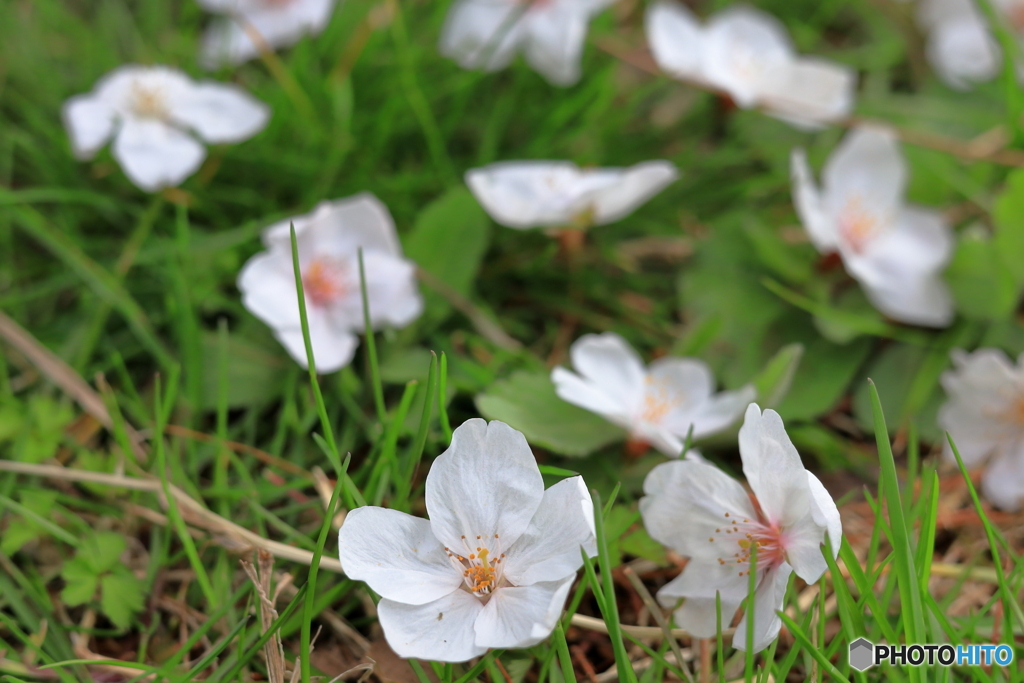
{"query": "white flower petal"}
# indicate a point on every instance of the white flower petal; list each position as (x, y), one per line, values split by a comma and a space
(339, 228)
(660, 438)
(573, 389)
(487, 483)
(635, 187)
(527, 194)
(676, 39)
(697, 586)
(155, 155)
(482, 35)
(610, 363)
(267, 283)
(981, 388)
(554, 42)
(699, 616)
(396, 555)
(332, 349)
(773, 467)
(747, 53)
(439, 631)
(686, 501)
(867, 170)
(814, 92)
(220, 112)
(767, 603)
(810, 205)
(825, 514)
(521, 616)
(549, 549)
(229, 42)
(1003, 480)
(391, 290)
(962, 52)
(921, 242)
(89, 122)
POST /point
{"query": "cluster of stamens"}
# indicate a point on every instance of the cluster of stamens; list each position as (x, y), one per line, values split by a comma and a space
(323, 281)
(857, 224)
(748, 535)
(659, 398)
(148, 102)
(480, 567)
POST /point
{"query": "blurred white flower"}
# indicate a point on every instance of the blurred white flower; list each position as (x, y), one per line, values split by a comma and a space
(493, 565)
(700, 512)
(985, 417)
(896, 251)
(486, 34)
(329, 239)
(531, 194)
(278, 23)
(658, 405)
(960, 47)
(154, 114)
(747, 54)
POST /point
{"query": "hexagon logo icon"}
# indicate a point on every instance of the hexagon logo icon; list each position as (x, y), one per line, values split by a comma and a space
(862, 654)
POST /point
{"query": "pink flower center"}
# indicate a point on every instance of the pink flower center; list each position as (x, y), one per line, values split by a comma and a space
(324, 281)
(740, 536)
(480, 566)
(148, 102)
(659, 399)
(857, 224)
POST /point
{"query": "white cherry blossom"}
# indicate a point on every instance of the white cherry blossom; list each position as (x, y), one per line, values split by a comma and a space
(747, 54)
(550, 194)
(985, 417)
(278, 23)
(492, 566)
(155, 115)
(896, 251)
(700, 512)
(960, 46)
(487, 34)
(329, 239)
(656, 404)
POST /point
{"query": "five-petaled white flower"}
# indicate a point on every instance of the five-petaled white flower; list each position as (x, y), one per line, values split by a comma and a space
(700, 512)
(152, 113)
(494, 563)
(985, 417)
(747, 54)
(277, 23)
(897, 252)
(555, 194)
(486, 34)
(329, 239)
(658, 405)
(960, 47)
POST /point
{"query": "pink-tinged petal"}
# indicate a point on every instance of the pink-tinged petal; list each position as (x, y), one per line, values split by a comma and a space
(155, 155)
(609, 362)
(825, 514)
(549, 549)
(773, 467)
(866, 172)
(919, 243)
(482, 35)
(747, 53)
(553, 44)
(267, 284)
(634, 188)
(686, 501)
(810, 205)
(768, 601)
(676, 39)
(439, 631)
(392, 293)
(686, 382)
(815, 92)
(1003, 479)
(220, 112)
(89, 122)
(486, 484)
(521, 616)
(396, 555)
(717, 413)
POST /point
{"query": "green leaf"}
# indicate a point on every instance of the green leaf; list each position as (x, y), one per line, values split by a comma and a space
(982, 284)
(527, 401)
(1009, 219)
(19, 531)
(80, 581)
(102, 551)
(893, 372)
(822, 378)
(121, 595)
(448, 241)
(775, 379)
(640, 544)
(254, 375)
